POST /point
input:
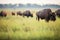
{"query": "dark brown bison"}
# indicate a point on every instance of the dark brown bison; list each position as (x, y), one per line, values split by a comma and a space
(13, 13)
(44, 14)
(3, 14)
(27, 13)
(58, 12)
(53, 16)
(19, 13)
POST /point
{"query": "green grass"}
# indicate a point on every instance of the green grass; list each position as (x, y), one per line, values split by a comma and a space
(18, 28)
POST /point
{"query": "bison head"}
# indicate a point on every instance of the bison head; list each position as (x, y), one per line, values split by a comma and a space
(53, 16)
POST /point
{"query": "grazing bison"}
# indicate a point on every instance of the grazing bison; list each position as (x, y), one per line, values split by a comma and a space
(27, 13)
(44, 14)
(58, 12)
(19, 13)
(3, 14)
(13, 13)
(53, 16)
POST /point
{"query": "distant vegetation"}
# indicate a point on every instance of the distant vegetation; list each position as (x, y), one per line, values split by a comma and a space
(29, 6)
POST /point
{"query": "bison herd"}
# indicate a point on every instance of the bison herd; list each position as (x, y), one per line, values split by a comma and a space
(46, 14)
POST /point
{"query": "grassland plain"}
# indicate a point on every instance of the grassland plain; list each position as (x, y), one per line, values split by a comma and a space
(19, 28)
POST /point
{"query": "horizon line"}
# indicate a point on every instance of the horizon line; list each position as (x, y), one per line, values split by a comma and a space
(29, 3)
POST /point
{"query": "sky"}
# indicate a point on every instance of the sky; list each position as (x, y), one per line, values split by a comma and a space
(39, 2)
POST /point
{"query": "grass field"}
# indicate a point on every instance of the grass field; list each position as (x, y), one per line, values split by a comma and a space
(19, 28)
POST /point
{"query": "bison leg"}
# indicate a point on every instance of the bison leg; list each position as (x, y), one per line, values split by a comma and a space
(47, 19)
(23, 16)
(27, 16)
(37, 18)
(58, 16)
(5, 15)
(17, 14)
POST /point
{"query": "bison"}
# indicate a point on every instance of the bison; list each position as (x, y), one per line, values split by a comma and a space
(44, 14)
(53, 16)
(13, 13)
(58, 12)
(3, 14)
(27, 13)
(19, 13)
